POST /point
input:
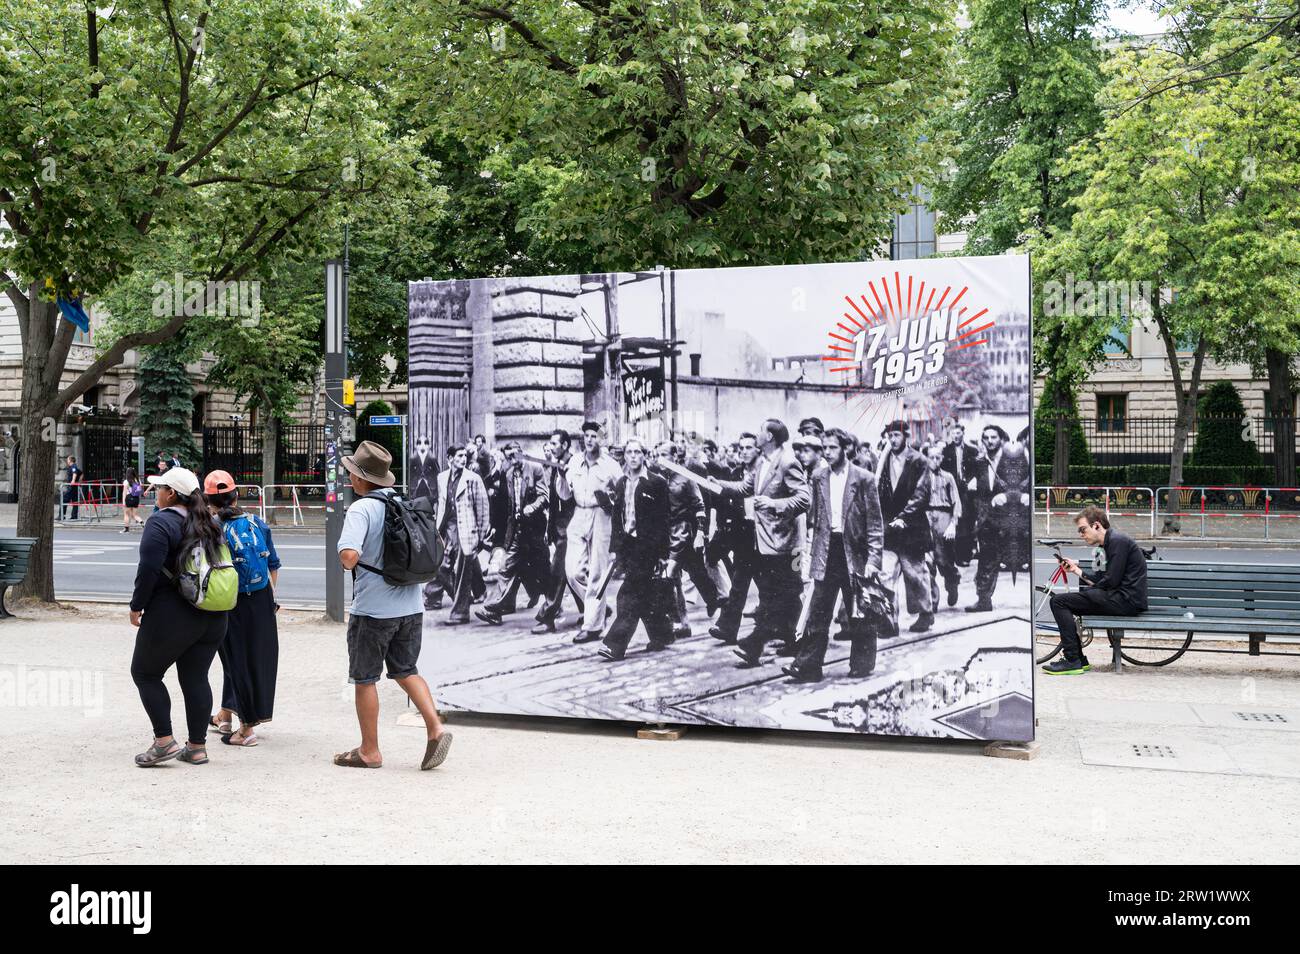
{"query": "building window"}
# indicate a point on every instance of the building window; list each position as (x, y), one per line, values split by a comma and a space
(1119, 341)
(199, 412)
(914, 229)
(252, 418)
(1111, 411)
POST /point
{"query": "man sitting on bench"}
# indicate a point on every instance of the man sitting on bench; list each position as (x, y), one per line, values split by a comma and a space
(1118, 587)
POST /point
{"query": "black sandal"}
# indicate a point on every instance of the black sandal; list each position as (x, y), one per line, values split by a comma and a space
(157, 754)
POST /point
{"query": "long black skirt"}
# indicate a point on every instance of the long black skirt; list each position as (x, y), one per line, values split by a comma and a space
(250, 655)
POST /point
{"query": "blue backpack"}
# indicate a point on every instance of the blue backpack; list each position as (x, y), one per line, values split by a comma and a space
(249, 553)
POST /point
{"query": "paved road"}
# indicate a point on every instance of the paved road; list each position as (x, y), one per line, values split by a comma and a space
(99, 563)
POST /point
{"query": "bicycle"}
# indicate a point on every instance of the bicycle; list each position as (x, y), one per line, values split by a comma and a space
(1145, 656)
(1045, 591)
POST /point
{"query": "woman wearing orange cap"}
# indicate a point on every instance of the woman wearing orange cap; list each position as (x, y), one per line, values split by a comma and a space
(250, 653)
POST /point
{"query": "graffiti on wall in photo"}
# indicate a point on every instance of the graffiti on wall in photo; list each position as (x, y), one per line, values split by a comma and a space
(788, 497)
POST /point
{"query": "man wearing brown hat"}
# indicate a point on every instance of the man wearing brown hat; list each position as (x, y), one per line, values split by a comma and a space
(384, 627)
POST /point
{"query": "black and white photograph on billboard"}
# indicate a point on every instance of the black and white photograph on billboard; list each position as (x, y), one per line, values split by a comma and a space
(792, 497)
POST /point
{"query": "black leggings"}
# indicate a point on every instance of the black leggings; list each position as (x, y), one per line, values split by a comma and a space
(174, 632)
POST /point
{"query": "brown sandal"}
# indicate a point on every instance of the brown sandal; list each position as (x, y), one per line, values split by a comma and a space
(353, 759)
(435, 752)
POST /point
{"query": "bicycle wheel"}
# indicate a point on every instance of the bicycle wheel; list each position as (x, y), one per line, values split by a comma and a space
(1056, 648)
(1160, 651)
(1085, 639)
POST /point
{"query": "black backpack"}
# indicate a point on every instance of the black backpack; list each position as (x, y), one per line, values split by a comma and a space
(411, 542)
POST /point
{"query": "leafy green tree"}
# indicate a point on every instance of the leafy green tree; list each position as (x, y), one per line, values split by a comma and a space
(1243, 59)
(714, 133)
(1192, 185)
(1220, 439)
(268, 364)
(1045, 424)
(166, 405)
(232, 128)
(1030, 73)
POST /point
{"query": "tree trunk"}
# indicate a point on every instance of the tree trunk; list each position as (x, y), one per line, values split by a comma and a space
(1187, 397)
(1281, 392)
(1182, 424)
(270, 439)
(1062, 427)
(38, 434)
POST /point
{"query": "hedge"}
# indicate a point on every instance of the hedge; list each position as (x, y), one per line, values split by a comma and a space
(1157, 475)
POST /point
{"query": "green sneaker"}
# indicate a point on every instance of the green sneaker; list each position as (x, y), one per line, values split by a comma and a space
(1063, 667)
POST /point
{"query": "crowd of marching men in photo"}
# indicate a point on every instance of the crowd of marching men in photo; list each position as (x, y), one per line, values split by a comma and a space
(770, 509)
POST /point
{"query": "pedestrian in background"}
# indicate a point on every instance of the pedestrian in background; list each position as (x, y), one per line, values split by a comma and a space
(131, 492)
(71, 492)
(250, 653)
(172, 631)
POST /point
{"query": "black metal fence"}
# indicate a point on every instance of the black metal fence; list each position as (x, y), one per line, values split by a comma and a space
(299, 459)
(1115, 442)
(106, 451)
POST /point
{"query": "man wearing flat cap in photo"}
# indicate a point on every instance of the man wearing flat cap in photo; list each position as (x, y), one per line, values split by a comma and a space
(808, 449)
(999, 490)
(904, 500)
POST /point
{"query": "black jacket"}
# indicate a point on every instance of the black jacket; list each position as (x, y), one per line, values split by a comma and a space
(160, 545)
(907, 502)
(1126, 569)
(524, 529)
(650, 544)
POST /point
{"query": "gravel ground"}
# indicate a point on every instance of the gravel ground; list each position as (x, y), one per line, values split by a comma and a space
(565, 791)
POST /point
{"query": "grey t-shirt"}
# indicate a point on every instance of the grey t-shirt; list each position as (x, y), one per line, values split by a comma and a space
(363, 531)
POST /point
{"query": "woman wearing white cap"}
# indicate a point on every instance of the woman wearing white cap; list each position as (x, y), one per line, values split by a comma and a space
(172, 631)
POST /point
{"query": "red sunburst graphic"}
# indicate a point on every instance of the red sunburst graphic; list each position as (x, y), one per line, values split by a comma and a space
(894, 305)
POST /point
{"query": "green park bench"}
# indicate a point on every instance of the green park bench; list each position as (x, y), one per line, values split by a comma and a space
(14, 552)
(1186, 599)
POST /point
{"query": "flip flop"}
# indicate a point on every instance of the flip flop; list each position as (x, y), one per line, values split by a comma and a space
(222, 727)
(435, 753)
(353, 759)
(157, 754)
(248, 740)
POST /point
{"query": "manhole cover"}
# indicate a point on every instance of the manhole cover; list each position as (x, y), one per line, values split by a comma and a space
(1276, 717)
(1144, 751)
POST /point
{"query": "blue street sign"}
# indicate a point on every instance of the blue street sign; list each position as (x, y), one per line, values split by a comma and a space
(385, 420)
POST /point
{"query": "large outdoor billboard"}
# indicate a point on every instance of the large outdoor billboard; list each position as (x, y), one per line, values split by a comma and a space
(875, 578)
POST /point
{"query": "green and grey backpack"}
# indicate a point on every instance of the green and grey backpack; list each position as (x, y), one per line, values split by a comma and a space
(205, 584)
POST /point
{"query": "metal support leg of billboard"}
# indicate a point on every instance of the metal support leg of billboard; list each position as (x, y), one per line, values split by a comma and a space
(340, 429)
